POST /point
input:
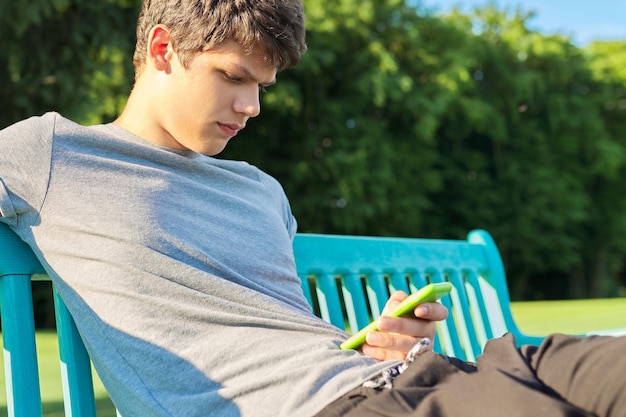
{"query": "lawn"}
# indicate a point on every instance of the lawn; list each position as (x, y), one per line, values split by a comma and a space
(537, 317)
(569, 316)
(50, 380)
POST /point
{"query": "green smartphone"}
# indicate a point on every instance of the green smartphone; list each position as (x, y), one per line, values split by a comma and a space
(427, 294)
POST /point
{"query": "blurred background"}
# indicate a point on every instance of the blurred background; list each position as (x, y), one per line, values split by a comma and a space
(405, 118)
(582, 20)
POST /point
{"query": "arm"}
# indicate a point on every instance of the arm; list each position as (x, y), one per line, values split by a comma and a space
(396, 336)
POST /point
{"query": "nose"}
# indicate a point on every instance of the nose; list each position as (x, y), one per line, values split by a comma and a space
(248, 102)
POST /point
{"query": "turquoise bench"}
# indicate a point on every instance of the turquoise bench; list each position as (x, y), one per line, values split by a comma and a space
(347, 280)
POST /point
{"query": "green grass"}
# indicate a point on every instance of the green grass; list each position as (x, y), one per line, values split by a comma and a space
(569, 316)
(50, 380)
(537, 317)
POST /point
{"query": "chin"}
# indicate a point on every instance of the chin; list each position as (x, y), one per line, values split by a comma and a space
(210, 150)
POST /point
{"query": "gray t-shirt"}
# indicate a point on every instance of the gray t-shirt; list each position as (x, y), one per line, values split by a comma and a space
(178, 269)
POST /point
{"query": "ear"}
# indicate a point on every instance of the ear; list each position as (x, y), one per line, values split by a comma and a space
(160, 51)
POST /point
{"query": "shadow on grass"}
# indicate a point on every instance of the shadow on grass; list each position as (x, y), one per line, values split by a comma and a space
(104, 408)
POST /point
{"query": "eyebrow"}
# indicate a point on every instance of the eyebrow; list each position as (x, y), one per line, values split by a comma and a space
(246, 72)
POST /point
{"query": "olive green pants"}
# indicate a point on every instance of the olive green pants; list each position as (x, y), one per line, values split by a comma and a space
(565, 376)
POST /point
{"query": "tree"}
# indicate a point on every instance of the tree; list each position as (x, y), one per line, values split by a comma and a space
(65, 55)
(604, 254)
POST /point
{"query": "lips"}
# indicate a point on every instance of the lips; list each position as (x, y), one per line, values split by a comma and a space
(230, 129)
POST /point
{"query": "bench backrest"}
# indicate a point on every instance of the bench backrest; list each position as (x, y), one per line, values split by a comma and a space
(347, 280)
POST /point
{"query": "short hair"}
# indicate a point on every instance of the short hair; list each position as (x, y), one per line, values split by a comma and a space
(277, 26)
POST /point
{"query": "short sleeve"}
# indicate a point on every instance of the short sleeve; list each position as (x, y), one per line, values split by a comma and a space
(25, 150)
(290, 221)
(7, 211)
(292, 224)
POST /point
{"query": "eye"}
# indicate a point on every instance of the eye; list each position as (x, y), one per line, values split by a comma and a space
(233, 79)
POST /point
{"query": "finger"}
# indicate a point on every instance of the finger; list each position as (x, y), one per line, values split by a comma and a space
(393, 301)
(431, 311)
(405, 325)
(391, 341)
(415, 328)
(388, 345)
(382, 354)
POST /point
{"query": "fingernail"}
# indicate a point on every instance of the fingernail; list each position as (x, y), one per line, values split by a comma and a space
(384, 323)
(372, 338)
(421, 311)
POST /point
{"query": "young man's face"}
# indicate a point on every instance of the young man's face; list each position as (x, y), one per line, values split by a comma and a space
(202, 107)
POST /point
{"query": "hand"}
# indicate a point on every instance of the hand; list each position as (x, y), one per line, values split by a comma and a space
(397, 335)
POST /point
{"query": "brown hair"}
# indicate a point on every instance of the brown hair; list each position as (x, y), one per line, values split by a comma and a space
(277, 26)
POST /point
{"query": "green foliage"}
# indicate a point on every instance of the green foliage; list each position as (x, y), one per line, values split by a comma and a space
(65, 55)
(397, 122)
